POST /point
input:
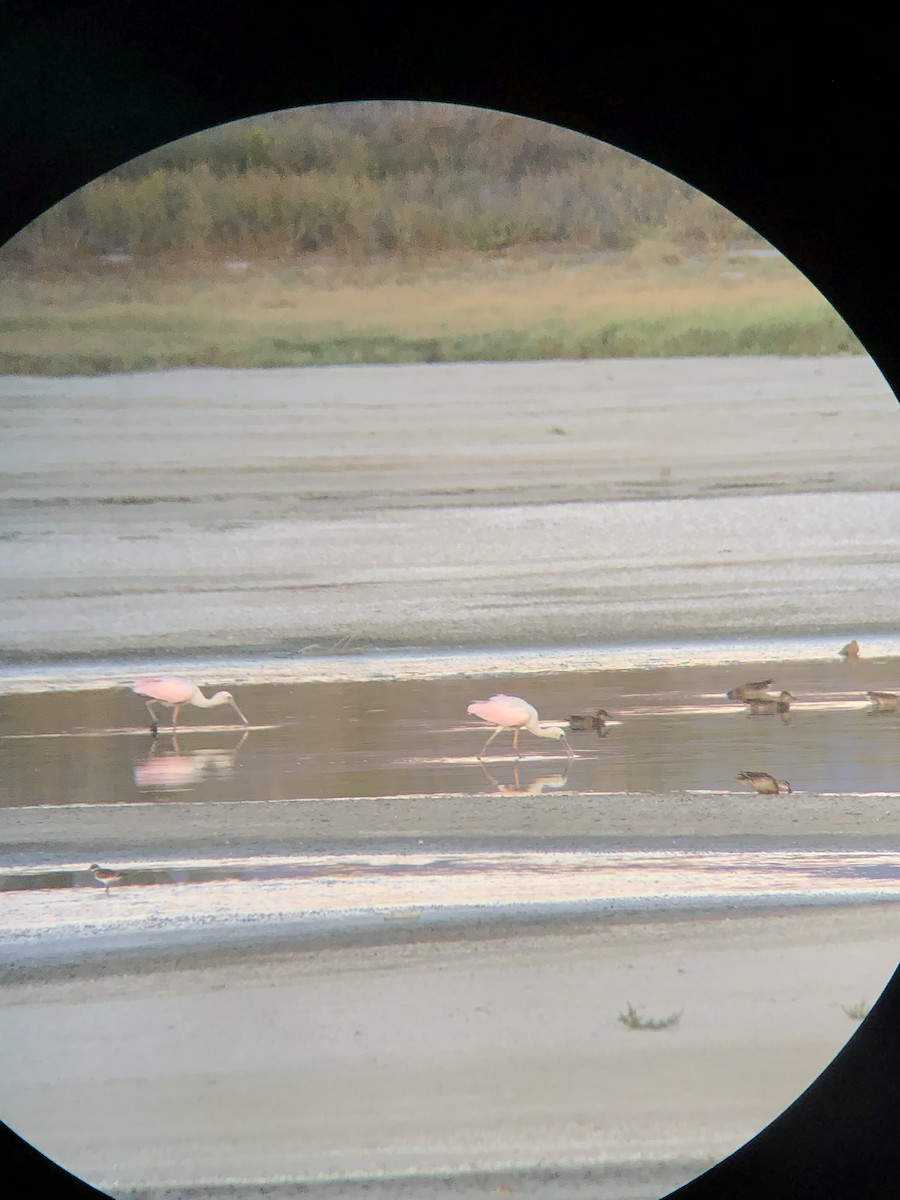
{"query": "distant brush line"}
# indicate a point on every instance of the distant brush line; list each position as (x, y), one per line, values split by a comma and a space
(417, 176)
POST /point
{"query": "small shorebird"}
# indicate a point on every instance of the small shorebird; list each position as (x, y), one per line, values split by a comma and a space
(765, 784)
(596, 721)
(105, 877)
(751, 691)
(851, 650)
(770, 704)
(173, 693)
(884, 701)
(516, 714)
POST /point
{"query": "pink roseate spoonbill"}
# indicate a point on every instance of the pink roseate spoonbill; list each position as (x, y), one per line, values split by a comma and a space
(511, 712)
(174, 693)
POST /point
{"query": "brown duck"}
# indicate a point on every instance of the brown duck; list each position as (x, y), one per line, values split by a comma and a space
(770, 704)
(751, 691)
(764, 783)
(596, 721)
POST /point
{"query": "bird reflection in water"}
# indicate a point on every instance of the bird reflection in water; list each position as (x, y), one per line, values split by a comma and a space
(541, 783)
(171, 770)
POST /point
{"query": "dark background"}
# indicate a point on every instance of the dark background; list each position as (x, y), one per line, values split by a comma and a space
(793, 127)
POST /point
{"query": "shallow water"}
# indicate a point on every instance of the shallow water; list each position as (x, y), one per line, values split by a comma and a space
(673, 730)
(414, 887)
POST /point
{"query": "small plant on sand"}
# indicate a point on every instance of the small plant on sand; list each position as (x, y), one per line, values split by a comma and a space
(633, 1020)
(856, 1012)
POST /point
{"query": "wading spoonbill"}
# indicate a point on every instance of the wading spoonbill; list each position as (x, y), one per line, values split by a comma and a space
(511, 712)
(173, 693)
(765, 784)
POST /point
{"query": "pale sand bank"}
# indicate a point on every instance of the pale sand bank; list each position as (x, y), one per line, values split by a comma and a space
(151, 831)
(641, 1179)
(497, 1054)
(446, 506)
(442, 508)
(360, 663)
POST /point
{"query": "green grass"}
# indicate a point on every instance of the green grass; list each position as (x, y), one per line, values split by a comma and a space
(393, 233)
(632, 1019)
(322, 311)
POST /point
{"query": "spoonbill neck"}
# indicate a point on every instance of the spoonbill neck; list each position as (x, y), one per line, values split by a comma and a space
(219, 698)
(202, 701)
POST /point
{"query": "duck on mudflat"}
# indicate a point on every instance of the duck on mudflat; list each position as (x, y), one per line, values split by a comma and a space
(764, 783)
(750, 691)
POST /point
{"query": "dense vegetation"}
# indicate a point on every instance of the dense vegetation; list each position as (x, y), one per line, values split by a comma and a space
(393, 232)
(368, 179)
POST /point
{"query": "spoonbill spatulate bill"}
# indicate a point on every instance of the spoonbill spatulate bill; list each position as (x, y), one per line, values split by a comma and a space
(174, 693)
(515, 714)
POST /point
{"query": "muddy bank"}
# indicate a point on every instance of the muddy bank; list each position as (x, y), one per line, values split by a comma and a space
(44, 836)
(447, 506)
(310, 1066)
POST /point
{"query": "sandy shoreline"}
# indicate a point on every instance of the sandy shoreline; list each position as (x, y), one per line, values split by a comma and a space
(49, 966)
(44, 836)
(635, 1179)
(308, 666)
(411, 1057)
(441, 507)
(300, 1049)
(297, 525)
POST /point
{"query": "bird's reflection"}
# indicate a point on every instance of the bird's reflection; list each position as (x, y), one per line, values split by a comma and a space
(166, 768)
(541, 783)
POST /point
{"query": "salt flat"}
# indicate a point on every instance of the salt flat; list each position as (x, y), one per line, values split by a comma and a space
(494, 1053)
(433, 508)
(448, 505)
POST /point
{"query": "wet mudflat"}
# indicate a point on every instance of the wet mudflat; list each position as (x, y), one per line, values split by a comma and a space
(340, 944)
(446, 505)
(324, 913)
(363, 799)
(314, 1063)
